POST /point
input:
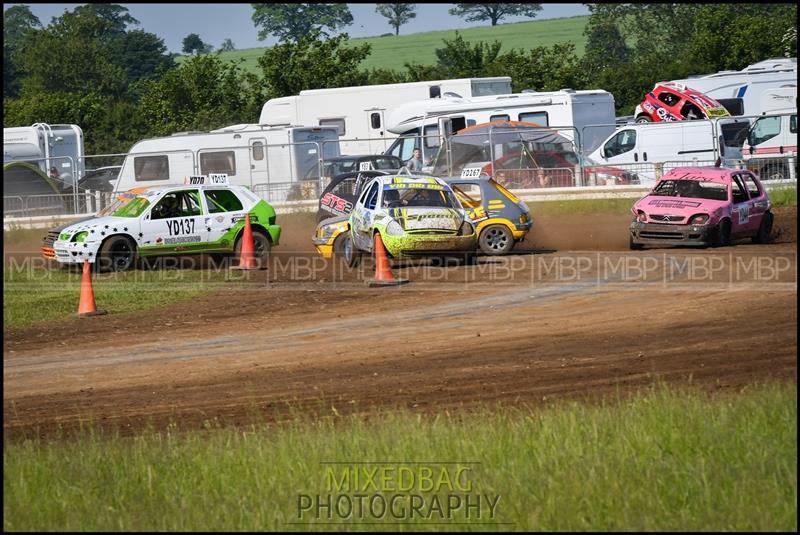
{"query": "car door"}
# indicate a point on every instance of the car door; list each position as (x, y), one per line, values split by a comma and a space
(175, 223)
(361, 221)
(757, 203)
(220, 202)
(740, 214)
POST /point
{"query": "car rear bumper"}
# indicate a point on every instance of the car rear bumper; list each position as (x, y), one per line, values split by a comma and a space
(661, 234)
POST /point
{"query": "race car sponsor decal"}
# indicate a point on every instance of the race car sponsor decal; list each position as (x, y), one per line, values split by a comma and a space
(177, 227)
(413, 185)
(660, 203)
(744, 213)
(253, 218)
(478, 214)
(336, 204)
(413, 219)
(181, 239)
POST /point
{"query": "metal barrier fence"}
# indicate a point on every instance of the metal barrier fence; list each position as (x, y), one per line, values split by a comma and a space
(52, 205)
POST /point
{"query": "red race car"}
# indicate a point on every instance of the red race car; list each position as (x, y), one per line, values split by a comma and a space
(676, 102)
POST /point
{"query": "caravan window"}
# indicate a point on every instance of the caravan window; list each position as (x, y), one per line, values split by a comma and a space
(258, 150)
(482, 88)
(375, 120)
(432, 136)
(538, 117)
(218, 162)
(793, 124)
(621, 143)
(338, 123)
(151, 168)
(504, 117)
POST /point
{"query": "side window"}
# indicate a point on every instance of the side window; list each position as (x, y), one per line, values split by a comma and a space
(375, 120)
(372, 197)
(403, 146)
(538, 117)
(621, 143)
(670, 99)
(338, 123)
(258, 150)
(364, 195)
(151, 168)
(764, 129)
(345, 187)
(222, 200)
(469, 195)
(503, 117)
(432, 136)
(218, 162)
(435, 91)
(177, 204)
(739, 194)
(793, 124)
(750, 184)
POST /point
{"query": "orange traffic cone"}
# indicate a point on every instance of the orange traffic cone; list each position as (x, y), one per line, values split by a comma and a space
(247, 256)
(86, 307)
(383, 271)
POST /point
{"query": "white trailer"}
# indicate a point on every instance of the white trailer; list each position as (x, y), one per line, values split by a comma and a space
(589, 113)
(740, 91)
(359, 113)
(56, 149)
(251, 155)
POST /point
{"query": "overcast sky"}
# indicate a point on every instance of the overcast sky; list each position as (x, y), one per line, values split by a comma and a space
(215, 22)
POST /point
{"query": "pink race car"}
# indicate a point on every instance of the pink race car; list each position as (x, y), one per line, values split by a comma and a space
(702, 206)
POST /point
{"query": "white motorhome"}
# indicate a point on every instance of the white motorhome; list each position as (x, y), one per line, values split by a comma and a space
(771, 145)
(251, 155)
(588, 113)
(740, 91)
(359, 113)
(642, 145)
(56, 149)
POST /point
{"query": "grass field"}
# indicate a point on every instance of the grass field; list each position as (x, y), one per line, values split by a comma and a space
(391, 52)
(664, 460)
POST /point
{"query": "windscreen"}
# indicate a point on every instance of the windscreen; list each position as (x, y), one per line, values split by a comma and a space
(693, 189)
(399, 196)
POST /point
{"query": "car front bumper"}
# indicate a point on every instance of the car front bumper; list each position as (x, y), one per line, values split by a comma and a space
(663, 234)
(68, 252)
(428, 244)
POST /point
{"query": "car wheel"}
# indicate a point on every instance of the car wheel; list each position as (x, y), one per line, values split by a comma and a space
(117, 253)
(261, 247)
(644, 119)
(765, 229)
(633, 246)
(723, 235)
(337, 250)
(352, 256)
(496, 240)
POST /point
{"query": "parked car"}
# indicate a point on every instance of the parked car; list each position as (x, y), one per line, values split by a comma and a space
(702, 206)
(170, 220)
(675, 102)
(415, 215)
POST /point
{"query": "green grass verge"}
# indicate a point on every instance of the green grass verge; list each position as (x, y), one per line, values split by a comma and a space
(664, 460)
(35, 294)
(391, 52)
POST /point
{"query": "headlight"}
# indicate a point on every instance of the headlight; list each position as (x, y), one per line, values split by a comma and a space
(641, 216)
(80, 236)
(466, 229)
(64, 236)
(394, 228)
(699, 219)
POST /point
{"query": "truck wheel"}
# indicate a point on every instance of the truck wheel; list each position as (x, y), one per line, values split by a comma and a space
(644, 119)
(352, 256)
(117, 253)
(723, 235)
(261, 247)
(765, 229)
(496, 240)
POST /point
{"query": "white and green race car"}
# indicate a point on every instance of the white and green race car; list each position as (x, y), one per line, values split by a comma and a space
(171, 220)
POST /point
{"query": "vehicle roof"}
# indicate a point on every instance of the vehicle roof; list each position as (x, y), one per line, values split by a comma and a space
(413, 178)
(711, 174)
(359, 156)
(172, 187)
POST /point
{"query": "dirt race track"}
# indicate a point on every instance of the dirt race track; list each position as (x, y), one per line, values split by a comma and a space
(572, 315)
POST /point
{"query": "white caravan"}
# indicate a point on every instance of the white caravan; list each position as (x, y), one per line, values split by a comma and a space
(588, 113)
(250, 155)
(740, 91)
(56, 149)
(359, 113)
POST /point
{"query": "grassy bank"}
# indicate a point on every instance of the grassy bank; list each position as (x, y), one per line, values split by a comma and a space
(392, 52)
(665, 460)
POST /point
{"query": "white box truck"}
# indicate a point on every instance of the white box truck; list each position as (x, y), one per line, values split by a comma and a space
(771, 145)
(587, 113)
(359, 113)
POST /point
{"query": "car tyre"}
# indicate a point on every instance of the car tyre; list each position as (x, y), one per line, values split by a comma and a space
(351, 255)
(633, 246)
(644, 119)
(261, 245)
(337, 251)
(723, 234)
(764, 234)
(496, 240)
(116, 253)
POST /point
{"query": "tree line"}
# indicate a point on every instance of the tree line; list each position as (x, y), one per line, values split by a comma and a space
(92, 67)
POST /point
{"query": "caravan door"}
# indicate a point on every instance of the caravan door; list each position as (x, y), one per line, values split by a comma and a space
(376, 130)
(259, 172)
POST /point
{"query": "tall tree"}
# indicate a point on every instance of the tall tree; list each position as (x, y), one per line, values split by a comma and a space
(312, 63)
(141, 54)
(290, 22)
(227, 45)
(494, 12)
(18, 24)
(460, 60)
(192, 44)
(398, 14)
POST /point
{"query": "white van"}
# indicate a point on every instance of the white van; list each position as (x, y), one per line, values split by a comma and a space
(643, 145)
(588, 113)
(251, 155)
(770, 149)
